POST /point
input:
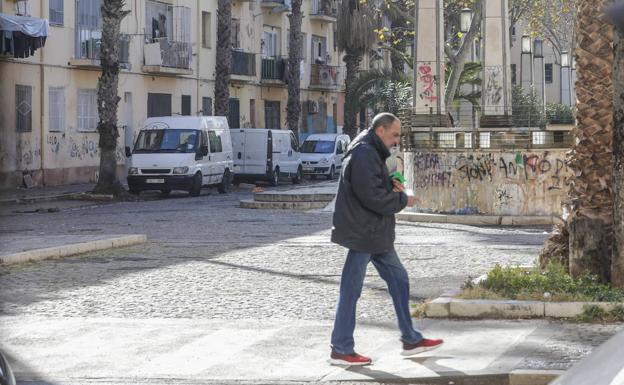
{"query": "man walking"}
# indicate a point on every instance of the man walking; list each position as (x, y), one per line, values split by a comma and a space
(364, 223)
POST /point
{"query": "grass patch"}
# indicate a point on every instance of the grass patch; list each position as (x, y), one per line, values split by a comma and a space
(551, 284)
(595, 313)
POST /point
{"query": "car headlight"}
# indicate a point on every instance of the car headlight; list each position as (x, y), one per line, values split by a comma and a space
(133, 171)
(324, 160)
(180, 170)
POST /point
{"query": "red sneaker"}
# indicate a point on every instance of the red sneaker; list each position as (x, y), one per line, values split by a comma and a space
(349, 359)
(423, 346)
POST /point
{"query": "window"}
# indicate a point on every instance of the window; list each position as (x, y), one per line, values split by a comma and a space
(56, 113)
(446, 140)
(88, 29)
(186, 105)
(252, 112)
(215, 142)
(23, 108)
(158, 105)
(272, 114)
(271, 44)
(513, 74)
(539, 137)
(206, 30)
(234, 118)
(467, 140)
(484, 139)
(206, 106)
(87, 110)
(56, 12)
(235, 33)
(548, 73)
(319, 49)
(293, 142)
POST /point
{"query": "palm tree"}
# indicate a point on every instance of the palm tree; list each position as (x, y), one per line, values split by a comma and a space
(381, 90)
(293, 108)
(590, 192)
(224, 58)
(108, 99)
(354, 37)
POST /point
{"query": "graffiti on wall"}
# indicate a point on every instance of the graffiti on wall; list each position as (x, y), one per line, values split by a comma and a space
(86, 148)
(27, 156)
(427, 79)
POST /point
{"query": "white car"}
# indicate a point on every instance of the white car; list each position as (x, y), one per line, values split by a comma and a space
(265, 154)
(322, 154)
(181, 153)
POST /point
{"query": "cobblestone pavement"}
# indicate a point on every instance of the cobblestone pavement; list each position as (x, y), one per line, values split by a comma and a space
(207, 258)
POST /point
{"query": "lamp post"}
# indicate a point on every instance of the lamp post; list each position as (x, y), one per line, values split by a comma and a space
(566, 97)
(538, 54)
(526, 63)
(465, 20)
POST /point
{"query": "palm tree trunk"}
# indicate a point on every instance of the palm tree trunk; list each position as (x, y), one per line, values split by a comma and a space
(224, 58)
(617, 262)
(590, 194)
(293, 108)
(108, 100)
(350, 112)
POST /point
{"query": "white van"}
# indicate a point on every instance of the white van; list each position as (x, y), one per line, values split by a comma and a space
(181, 153)
(322, 154)
(265, 154)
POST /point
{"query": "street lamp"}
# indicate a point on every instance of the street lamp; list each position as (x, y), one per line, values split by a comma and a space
(526, 44)
(538, 49)
(465, 20)
(565, 59)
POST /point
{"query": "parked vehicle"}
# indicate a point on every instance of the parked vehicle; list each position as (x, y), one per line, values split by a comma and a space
(181, 153)
(322, 154)
(6, 374)
(265, 154)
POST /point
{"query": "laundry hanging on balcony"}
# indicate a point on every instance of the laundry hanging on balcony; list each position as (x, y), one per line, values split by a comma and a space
(20, 36)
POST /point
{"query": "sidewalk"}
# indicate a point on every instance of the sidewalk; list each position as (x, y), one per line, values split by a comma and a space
(182, 351)
(42, 194)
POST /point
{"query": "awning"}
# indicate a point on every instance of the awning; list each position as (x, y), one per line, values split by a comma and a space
(20, 36)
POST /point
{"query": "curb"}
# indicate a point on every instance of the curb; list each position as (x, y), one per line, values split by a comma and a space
(479, 220)
(273, 197)
(447, 307)
(72, 249)
(35, 199)
(251, 204)
(533, 377)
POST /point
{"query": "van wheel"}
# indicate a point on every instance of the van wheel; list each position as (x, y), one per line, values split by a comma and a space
(275, 177)
(165, 192)
(332, 173)
(196, 186)
(226, 182)
(299, 177)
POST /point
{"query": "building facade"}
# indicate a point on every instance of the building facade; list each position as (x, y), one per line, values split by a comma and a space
(168, 53)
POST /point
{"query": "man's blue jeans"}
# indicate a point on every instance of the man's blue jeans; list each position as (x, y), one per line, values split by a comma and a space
(392, 271)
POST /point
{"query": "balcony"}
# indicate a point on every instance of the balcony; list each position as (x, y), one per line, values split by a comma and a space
(243, 65)
(274, 70)
(323, 10)
(272, 3)
(88, 53)
(164, 56)
(325, 77)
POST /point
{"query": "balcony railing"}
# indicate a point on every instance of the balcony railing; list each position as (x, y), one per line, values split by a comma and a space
(323, 9)
(243, 63)
(272, 3)
(325, 76)
(88, 52)
(168, 53)
(273, 68)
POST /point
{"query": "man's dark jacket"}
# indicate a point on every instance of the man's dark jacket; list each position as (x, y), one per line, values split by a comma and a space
(365, 204)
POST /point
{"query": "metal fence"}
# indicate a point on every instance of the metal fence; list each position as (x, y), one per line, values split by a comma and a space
(243, 63)
(274, 68)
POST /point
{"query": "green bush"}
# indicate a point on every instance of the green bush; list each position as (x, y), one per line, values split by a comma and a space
(557, 113)
(526, 109)
(518, 283)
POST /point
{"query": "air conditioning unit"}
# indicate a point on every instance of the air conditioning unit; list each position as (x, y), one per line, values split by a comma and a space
(325, 76)
(313, 107)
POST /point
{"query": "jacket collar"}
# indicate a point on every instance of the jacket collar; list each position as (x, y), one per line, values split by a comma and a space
(374, 141)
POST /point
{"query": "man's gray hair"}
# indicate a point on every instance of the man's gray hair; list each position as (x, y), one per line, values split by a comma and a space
(384, 119)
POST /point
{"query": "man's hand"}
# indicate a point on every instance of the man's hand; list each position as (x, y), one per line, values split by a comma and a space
(398, 186)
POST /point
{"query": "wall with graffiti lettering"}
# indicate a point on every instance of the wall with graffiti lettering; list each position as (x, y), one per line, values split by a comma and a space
(493, 183)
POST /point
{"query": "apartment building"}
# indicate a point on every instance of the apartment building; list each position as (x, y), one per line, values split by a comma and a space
(168, 54)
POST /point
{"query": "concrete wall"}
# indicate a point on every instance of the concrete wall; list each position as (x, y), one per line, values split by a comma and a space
(491, 182)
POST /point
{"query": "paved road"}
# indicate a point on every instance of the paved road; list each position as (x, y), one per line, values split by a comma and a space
(207, 260)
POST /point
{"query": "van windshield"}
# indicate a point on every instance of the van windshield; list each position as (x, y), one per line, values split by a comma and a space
(318, 147)
(167, 140)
